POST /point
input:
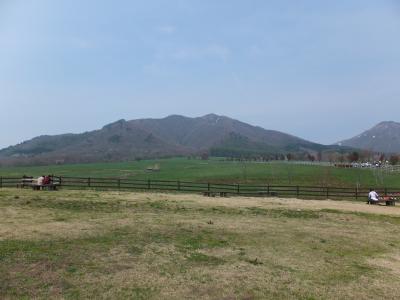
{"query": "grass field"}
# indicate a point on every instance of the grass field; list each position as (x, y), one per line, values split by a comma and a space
(111, 245)
(218, 170)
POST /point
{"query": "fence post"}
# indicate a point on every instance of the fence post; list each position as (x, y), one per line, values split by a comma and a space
(88, 181)
(148, 184)
(357, 193)
(327, 192)
(60, 180)
(208, 186)
(268, 189)
(297, 191)
(119, 183)
(179, 185)
(1, 182)
(238, 188)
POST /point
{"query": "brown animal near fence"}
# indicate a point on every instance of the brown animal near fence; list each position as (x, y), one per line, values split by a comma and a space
(208, 188)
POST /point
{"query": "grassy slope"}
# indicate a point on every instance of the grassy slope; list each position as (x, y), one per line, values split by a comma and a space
(88, 244)
(219, 171)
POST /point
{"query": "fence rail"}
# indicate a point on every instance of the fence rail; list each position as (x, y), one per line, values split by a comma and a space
(209, 188)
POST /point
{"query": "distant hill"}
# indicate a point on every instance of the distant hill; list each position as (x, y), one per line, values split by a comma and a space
(154, 138)
(384, 137)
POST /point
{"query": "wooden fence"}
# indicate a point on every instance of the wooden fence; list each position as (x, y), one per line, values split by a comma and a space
(312, 192)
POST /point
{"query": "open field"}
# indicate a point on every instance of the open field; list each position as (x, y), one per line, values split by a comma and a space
(90, 244)
(221, 171)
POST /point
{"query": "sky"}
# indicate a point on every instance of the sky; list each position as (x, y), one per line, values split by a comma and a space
(321, 70)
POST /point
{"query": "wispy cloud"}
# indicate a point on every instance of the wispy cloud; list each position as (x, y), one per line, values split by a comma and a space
(80, 43)
(211, 51)
(167, 29)
(255, 51)
(185, 54)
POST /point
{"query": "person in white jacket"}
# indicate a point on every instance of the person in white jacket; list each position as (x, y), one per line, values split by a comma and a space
(373, 197)
(40, 180)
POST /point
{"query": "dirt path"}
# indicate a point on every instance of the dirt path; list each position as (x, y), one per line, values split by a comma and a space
(288, 203)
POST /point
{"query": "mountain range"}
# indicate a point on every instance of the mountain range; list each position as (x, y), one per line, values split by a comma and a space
(384, 137)
(154, 138)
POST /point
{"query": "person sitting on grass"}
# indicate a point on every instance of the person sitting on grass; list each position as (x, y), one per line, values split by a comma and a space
(373, 197)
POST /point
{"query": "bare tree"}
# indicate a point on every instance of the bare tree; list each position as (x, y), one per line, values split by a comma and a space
(204, 156)
(394, 159)
(289, 156)
(319, 156)
(310, 157)
(353, 157)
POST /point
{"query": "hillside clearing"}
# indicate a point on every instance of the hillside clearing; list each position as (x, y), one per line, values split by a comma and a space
(90, 244)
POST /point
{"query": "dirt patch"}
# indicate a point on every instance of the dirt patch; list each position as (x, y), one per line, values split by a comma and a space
(390, 262)
(268, 202)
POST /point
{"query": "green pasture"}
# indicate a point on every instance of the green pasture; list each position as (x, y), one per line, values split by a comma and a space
(219, 170)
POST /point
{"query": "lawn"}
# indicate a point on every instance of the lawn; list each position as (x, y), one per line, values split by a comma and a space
(221, 171)
(117, 245)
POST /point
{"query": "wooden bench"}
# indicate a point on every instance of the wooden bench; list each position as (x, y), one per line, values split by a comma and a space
(213, 194)
(25, 182)
(49, 187)
(388, 200)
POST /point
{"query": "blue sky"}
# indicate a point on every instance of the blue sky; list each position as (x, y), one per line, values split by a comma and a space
(321, 70)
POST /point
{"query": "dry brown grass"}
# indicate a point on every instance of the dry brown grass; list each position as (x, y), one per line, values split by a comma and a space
(89, 244)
